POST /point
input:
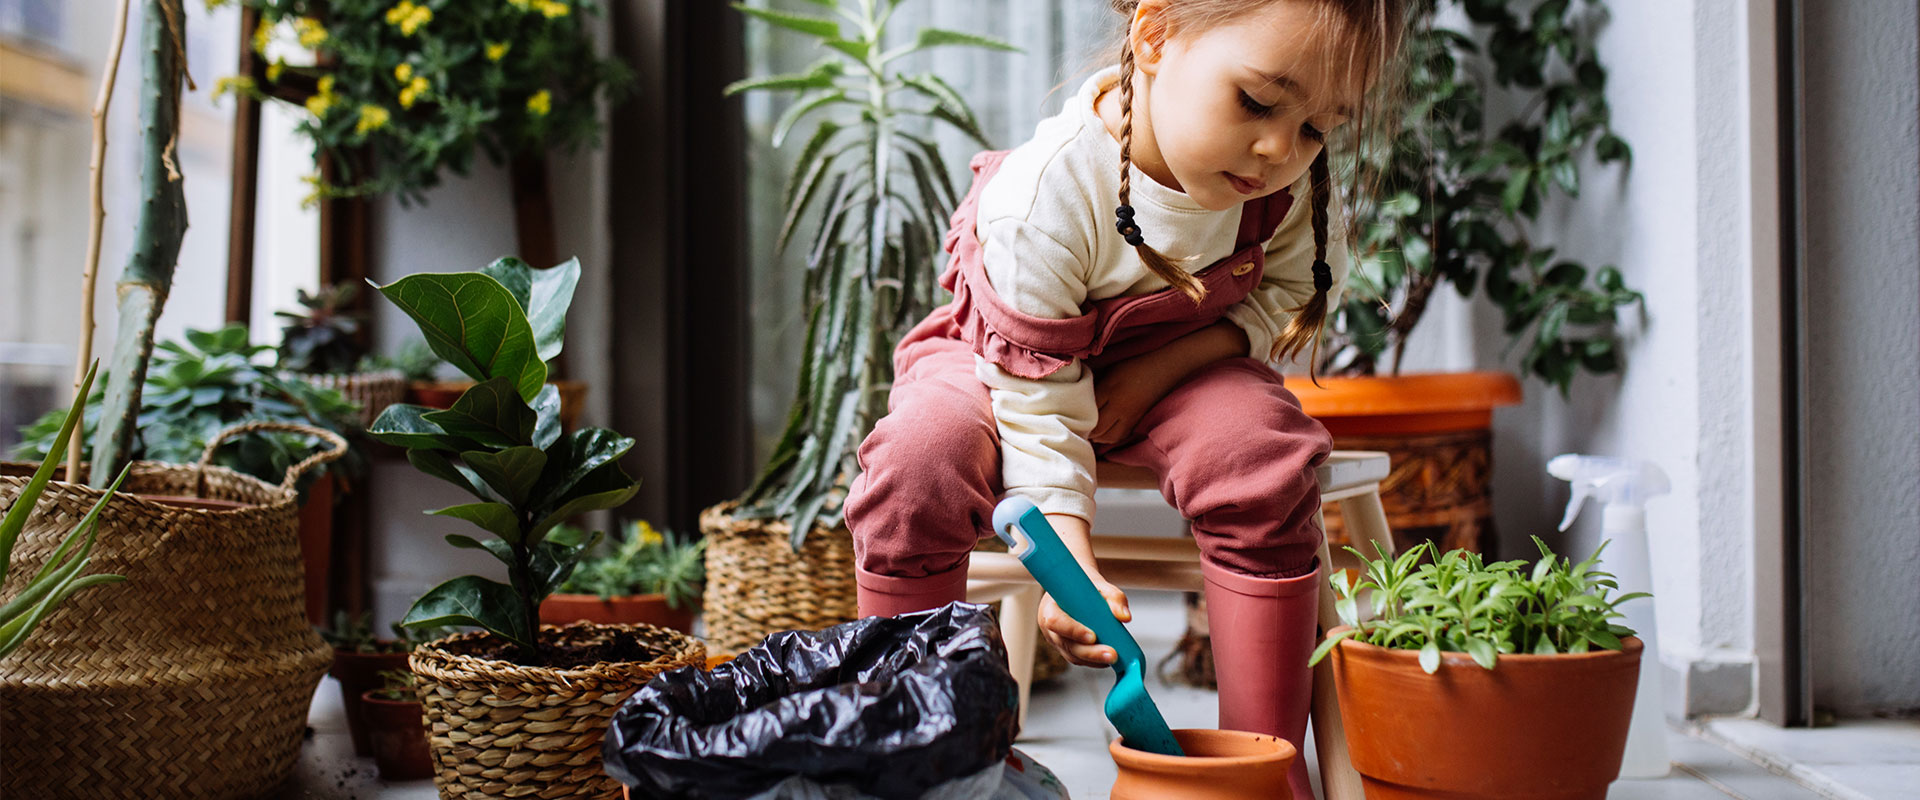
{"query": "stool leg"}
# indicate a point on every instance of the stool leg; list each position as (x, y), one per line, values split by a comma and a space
(1338, 780)
(1021, 634)
(1366, 520)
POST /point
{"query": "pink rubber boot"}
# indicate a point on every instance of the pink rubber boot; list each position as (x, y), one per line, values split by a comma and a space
(1263, 633)
(888, 596)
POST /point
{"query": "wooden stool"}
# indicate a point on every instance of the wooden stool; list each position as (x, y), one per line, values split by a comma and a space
(1349, 477)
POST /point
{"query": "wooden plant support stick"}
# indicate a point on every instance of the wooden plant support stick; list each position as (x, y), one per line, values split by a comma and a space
(92, 271)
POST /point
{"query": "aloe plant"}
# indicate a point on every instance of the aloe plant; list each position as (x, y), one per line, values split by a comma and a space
(883, 196)
(65, 572)
(502, 442)
(1460, 603)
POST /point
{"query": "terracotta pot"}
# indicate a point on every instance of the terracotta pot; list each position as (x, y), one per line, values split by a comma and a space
(652, 609)
(436, 394)
(359, 673)
(1536, 727)
(399, 738)
(1425, 403)
(316, 546)
(1219, 765)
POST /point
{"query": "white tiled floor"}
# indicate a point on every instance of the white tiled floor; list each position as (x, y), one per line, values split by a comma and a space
(1067, 732)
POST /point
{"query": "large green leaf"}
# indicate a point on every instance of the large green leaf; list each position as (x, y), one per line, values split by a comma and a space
(547, 313)
(821, 76)
(938, 37)
(606, 487)
(495, 518)
(546, 409)
(16, 518)
(822, 27)
(437, 464)
(474, 323)
(472, 600)
(490, 413)
(800, 108)
(512, 473)
(573, 458)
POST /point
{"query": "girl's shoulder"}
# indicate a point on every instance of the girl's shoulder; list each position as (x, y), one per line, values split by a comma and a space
(1056, 181)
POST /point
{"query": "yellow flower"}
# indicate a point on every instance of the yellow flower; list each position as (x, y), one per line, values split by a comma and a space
(403, 73)
(312, 33)
(647, 535)
(326, 84)
(313, 195)
(319, 104)
(262, 34)
(551, 8)
(408, 17)
(412, 91)
(540, 103)
(372, 118)
(497, 50)
(235, 83)
(215, 5)
(275, 69)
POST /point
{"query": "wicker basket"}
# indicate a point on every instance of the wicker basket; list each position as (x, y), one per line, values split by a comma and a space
(372, 391)
(757, 585)
(194, 677)
(502, 730)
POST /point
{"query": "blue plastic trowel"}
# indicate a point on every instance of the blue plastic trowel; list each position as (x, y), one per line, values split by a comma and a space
(1032, 540)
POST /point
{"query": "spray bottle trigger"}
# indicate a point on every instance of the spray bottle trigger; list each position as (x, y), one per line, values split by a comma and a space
(1581, 491)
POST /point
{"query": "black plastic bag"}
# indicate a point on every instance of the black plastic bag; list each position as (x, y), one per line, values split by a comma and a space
(888, 706)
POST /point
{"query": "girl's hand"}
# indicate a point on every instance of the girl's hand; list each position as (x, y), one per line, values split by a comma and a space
(1125, 391)
(1072, 639)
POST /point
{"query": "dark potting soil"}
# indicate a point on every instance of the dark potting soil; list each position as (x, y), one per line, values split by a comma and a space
(638, 647)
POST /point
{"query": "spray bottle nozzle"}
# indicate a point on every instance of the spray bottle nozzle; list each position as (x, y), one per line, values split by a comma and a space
(1620, 481)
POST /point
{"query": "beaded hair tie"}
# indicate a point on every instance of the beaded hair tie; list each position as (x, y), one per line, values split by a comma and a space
(1126, 226)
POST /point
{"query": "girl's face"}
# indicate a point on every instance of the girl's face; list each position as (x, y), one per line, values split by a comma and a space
(1241, 109)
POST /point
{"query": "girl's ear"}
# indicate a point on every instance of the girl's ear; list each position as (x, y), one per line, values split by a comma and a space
(1148, 35)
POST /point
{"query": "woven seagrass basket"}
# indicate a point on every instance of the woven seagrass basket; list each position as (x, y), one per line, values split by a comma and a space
(757, 584)
(194, 677)
(499, 729)
(372, 391)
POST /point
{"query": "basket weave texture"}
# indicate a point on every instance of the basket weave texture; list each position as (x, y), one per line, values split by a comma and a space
(499, 729)
(190, 680)
(757, 584)
(372, 391)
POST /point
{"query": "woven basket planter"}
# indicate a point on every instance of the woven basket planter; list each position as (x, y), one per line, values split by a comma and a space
(373, 391)
(194, 677)
(500, 730)
(757, 584)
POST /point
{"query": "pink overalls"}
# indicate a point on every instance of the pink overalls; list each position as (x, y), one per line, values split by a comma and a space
(1234, 453)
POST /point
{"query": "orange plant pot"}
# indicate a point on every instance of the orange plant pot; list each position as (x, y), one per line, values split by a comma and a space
(1534, 727)
(1219, 765)
(1438, 402)
(651, 609)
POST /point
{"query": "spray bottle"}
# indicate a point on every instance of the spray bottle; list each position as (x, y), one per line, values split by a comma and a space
(1625, 486)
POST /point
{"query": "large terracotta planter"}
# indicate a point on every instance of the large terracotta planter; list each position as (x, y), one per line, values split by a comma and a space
(359, 673)
(1437, 429)
(650, 609)
(1534, 727)
(1219, 765)
(398, 734)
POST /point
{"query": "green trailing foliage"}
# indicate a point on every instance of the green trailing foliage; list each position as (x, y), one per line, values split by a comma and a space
(319, 338)
(645, 562)
(879, 196)
(65, 572)
(206, 383)
(354, 634)
(1459, 603)
(1460, 191)
(502, 442)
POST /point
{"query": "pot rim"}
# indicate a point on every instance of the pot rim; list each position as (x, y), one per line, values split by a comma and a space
(432, 661)
(1126, 756)
(368, 697)
(1629, 646)
(1408, 393)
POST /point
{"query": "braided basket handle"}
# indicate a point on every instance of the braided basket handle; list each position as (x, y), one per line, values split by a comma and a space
(336, 447)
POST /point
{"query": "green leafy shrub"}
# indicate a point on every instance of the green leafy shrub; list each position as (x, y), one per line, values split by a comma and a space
(318, 339)
(415, 361)
(502, 443)
(1459, 603)
(397, 686)
(646, 562)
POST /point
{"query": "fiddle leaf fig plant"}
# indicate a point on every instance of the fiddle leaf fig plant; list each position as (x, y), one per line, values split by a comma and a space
(883, 195)
(1461, 189)
(1459, 603)
(502, 442)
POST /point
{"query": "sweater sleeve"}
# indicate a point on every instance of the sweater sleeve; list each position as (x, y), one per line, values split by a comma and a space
(1043, 422)
(1287, 283)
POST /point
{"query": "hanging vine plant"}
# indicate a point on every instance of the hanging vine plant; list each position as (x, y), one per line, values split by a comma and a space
(1462, 189)
(421, 85)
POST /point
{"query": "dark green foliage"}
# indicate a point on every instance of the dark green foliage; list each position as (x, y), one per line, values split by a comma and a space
(415, 361)
(646, 562)
(1460, 192)
(502, 443)
(355, 634)
(883, 197)
(319, 339)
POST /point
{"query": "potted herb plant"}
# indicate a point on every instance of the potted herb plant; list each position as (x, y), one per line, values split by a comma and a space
(502, 442)
(396, 729)
(649, 577)
(1529, 652)
(879, 194)
(318, 344)
(360, 658)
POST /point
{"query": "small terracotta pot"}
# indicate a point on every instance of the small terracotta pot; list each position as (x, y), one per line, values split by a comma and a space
(1219, 765)
(399, 737)
(436, 394)
(1535, 727)
(359, 673)
(652, 609)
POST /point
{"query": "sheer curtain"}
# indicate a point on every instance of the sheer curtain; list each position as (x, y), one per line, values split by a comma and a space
(1062, 41)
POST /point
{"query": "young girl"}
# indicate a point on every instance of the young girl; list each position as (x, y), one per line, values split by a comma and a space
(1120, 283)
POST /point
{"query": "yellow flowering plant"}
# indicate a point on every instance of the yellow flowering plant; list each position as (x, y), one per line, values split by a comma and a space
(419, 85)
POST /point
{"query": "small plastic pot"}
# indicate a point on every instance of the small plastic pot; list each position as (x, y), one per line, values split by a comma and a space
(399, 738)
(1219, 765)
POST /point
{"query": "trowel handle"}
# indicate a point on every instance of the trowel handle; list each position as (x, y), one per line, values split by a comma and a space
(1032, 539)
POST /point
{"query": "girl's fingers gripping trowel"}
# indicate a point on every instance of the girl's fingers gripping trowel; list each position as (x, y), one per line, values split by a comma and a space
(1032, 540)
